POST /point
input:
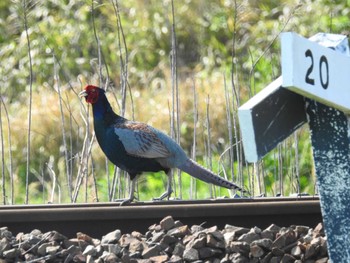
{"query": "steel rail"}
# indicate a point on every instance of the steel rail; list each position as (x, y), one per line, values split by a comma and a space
(97, 219)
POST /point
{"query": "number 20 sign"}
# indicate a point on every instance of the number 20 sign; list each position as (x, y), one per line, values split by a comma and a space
(315, 71)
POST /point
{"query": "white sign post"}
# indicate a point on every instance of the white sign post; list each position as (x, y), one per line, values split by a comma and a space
(318, 70)
(322, 75)
(268, 118)
(315, 71)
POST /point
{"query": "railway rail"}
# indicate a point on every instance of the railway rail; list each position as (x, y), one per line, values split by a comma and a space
(97, 219)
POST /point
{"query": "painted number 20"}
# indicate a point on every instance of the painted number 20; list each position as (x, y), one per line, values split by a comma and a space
(323, 70)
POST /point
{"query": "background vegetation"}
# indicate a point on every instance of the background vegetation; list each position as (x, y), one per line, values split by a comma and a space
(182, 66)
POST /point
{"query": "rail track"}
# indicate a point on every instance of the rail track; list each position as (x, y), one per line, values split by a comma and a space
(97, 219)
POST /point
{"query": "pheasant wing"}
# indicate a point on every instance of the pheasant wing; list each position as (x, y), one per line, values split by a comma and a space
(141, 140)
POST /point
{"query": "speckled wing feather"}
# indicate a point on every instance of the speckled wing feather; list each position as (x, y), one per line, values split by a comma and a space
(141, 140)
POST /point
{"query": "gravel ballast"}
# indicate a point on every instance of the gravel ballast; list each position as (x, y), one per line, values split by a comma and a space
(171, 241)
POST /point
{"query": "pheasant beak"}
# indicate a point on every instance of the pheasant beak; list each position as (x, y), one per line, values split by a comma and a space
(83, 94)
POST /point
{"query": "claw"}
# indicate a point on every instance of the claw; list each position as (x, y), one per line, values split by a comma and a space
(166, 194)
(126, 202)
(131, 197)
(169, 189)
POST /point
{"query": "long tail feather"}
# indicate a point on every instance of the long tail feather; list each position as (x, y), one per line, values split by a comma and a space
(201, 173)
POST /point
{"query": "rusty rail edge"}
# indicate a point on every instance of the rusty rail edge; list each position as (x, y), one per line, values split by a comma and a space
(97, 219)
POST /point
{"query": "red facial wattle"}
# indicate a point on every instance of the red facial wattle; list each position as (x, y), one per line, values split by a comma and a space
(92, 94)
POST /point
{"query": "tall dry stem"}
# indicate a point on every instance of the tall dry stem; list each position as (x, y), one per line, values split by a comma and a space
(175, 120)
(124, 84)
(64, 139)
(25, 6)
(54, 184)
(208, 143)
(83, 156)
(296, 164)
(193, 190)
(229, 128)
(11, 175)
(3, 179)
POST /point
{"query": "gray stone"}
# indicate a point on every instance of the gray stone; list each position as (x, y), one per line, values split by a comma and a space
(137, 235)
(191, 254)
(175, 259)
(197, 242)
(51, 250)
(196, 228)
(296, 251)
(31, 239)
(178, 223)
(179, 249)
(277, 251)
(159, 259)
(323, 252)
(180, 231)
(225, 259)
(249, 237)
(157, 236)
(238, 230)
(11, 253)
(239, 247)
(207, 252)
(151, 251)
(255, 230)
(28, 257)
(268, 234)
(42, 249)
(319, 230)
(238, 258)
(267, 258)
(214, 243)
(89, 259)
(111, 258)
(256, 251)
(90, 250)
(36, 232)
(73, 250)
(112, 248)
(273, 228)
(111, 237)
(167, 223)
(4, 232)
(136, 245)
(285, 239)
(4, 245)
(275, 260)
(311, 251)
(322, 260)
(287, 258)
(316, 241)
(264, 243)
(55, 236)
(168, 240)
(302, 230)
(229, 236)
(216, 234)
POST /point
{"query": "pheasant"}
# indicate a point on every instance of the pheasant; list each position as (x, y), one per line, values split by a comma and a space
(136, 147)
